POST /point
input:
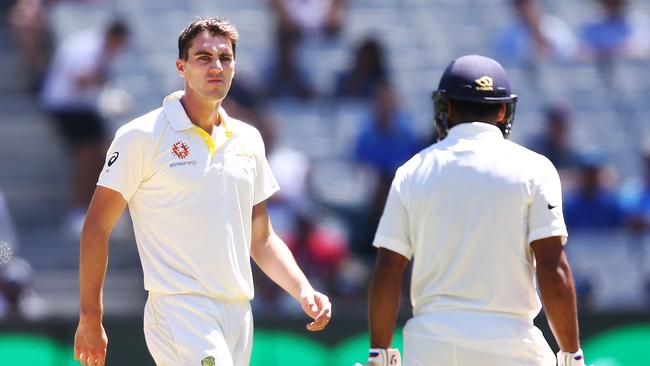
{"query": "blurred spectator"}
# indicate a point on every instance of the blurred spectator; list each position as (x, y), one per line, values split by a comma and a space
(30, 29)
(386, 140)
(616, 34)
(637, 201)
(246, 101)
(287, 77)
(298, 21)
(309, 17)
(367, 71)
(17, 297)
(325, 245)
(535, 35)
(7, 229)
(593, 205)
(291, 169)
(385, 143)
(79, 70)
(555, 143)
(584, 285)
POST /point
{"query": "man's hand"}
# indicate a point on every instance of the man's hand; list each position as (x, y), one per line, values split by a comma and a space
(383, 357)
(318, 307)
(571, 358)
(90, 343)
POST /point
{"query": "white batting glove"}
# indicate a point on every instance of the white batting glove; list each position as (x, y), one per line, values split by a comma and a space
(571, 359)
(383, 357)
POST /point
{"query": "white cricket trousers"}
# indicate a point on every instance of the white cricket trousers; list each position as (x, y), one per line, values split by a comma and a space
(189, 329)
(454, 340)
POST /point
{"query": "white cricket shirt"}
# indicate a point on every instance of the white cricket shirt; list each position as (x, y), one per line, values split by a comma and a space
(466, 209)
(191, 197)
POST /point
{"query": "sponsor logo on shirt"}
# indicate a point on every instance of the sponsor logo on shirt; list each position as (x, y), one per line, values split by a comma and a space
(182, 163)
(181, 150)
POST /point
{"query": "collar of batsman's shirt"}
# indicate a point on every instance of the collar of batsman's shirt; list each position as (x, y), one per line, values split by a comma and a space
(475, 130)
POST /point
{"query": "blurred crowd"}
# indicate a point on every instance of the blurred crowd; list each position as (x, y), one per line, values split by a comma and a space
(333, 242)
(615, 33)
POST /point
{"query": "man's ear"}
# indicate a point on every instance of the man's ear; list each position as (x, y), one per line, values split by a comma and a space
(501, 116)
(180, 67)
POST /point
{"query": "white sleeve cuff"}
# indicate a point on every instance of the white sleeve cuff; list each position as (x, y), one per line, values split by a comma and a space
(394, 245)
(547, 232)
(268, 193)
(114, 186)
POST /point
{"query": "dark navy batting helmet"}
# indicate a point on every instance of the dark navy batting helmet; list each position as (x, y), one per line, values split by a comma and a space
(476, 79)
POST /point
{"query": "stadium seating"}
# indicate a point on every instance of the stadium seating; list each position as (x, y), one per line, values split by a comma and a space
(421, 36)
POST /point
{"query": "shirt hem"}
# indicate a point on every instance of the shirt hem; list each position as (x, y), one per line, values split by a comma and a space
(547, 232)
(115, 187)
(221, 298)
(392, 244)
(267, 194)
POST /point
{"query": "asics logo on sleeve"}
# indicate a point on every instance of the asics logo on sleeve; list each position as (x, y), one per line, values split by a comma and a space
(113, 158)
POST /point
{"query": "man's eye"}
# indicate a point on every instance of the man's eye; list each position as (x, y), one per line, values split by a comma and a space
(204, 58)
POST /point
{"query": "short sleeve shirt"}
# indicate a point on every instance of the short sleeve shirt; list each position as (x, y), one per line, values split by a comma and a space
(466, 209)
(191, 197)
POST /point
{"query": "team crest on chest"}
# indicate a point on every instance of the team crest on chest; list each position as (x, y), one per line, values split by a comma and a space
(181, 150)
(208, 361)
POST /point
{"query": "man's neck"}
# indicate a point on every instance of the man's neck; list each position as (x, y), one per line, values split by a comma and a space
(203, 114)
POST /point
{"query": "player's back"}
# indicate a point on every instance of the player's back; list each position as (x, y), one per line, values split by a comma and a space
(468, 200)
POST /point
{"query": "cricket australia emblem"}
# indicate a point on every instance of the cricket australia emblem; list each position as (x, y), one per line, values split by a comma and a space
(208, 361)
(181, 150)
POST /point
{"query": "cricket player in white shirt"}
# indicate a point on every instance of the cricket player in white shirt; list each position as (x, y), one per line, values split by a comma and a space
(195, 181)
(481, 218)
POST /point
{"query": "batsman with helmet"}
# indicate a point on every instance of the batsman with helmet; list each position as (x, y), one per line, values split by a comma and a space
(481, 218)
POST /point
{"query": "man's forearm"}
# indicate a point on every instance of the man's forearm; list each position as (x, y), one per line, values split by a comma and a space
(383, 303)
(93, 260)
(559, 298)
(277, 262)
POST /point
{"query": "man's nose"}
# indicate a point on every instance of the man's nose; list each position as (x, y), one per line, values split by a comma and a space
(216, 65)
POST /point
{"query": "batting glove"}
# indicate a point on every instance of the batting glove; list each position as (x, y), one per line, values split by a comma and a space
(383, 357)
(571, 359)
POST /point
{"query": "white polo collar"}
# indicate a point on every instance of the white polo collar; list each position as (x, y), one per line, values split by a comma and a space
(179, 120)
(475, 130)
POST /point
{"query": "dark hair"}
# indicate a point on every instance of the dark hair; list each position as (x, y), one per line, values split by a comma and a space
(214, 25)
(117, 28)
(519, 2)
(557, 113)
(369, 58)
(475, 111)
